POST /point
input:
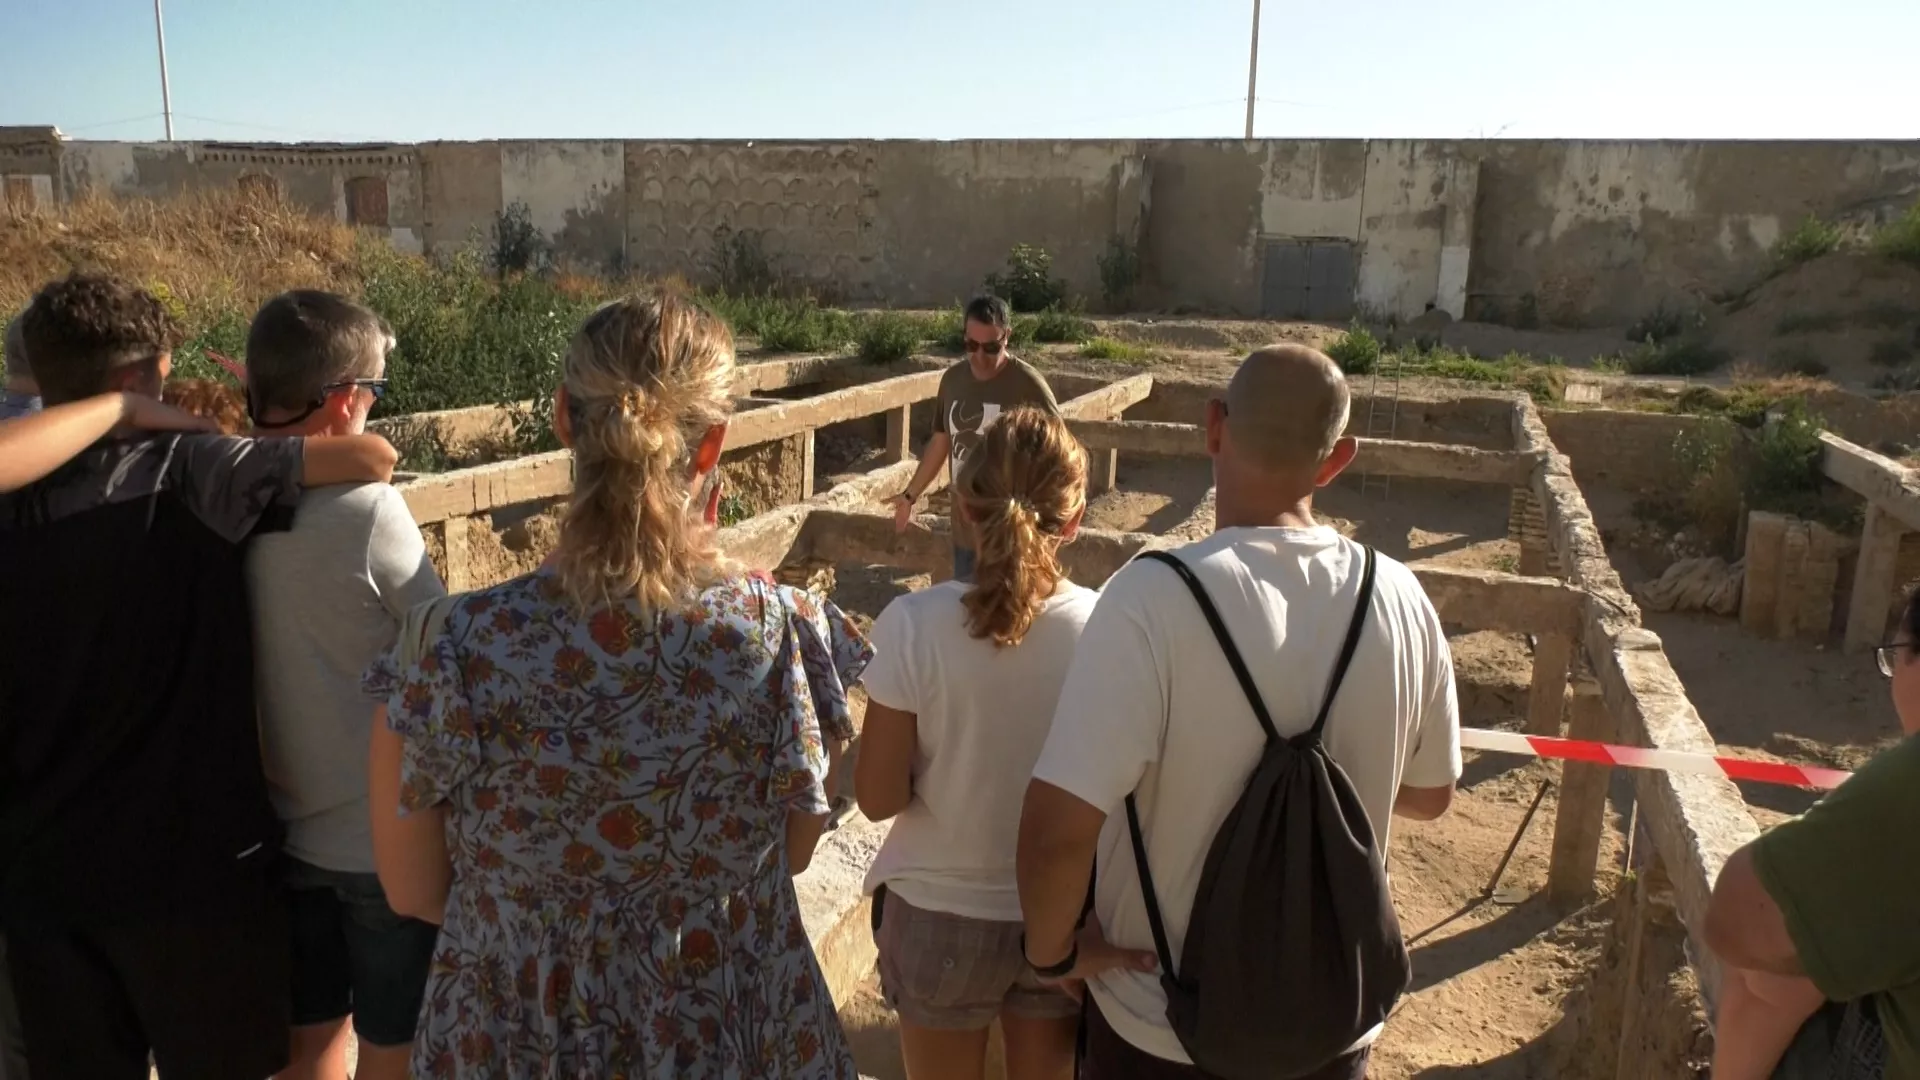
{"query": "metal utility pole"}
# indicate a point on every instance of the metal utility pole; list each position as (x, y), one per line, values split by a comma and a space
(1253, 64)
(166, 98)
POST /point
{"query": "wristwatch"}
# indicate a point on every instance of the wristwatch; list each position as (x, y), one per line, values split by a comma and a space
(1051, 971)
(909, 496)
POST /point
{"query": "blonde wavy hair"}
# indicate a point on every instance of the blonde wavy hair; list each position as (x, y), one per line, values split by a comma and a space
(646, 377)
(1026, 483)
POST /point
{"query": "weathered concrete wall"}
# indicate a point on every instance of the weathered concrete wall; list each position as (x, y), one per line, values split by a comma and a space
(1569, 232)
(1601, 232)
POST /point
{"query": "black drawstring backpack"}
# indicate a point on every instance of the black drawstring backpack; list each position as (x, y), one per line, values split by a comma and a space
(1293, 951)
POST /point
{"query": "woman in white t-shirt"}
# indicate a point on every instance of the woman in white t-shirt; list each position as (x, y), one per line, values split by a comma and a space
(961, 693)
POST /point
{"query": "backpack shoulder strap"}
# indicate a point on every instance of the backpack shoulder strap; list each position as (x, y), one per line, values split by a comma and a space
(1220, 634)
(1354, 626)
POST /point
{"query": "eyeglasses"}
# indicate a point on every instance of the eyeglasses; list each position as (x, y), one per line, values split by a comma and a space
(1883, 656)
(986, 348)
(376, 387)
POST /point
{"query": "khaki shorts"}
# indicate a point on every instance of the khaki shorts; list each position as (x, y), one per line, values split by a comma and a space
(955, 973)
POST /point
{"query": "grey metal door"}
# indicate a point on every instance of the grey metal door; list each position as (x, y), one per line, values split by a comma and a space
(1308, 279)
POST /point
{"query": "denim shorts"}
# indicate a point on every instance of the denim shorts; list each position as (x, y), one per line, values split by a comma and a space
(352, 954)
(954, 973)
(963, 563)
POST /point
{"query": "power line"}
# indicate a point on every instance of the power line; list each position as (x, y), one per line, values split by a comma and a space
(113, 123)
(282, 130)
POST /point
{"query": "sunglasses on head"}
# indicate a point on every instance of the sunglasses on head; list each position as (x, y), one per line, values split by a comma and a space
(988, 348)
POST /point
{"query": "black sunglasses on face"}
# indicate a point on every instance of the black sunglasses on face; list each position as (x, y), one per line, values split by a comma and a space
(989, 348)
(376, 387)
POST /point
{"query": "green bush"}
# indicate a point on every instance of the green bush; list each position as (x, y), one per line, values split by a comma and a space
(888, 337)
(740, 263)
(1056, 326)
(517, 244)
(1900, 238)
(948, 330)
(1102, 348)
(1690, 355)
(1808, 322)
(1785, 473)
(803, 326)
(1029, 284)
(1119, 273)
(1357, 351)
(1663, 324)
(1809, 240)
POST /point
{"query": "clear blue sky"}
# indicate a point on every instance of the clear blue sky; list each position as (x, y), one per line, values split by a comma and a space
(475, 69)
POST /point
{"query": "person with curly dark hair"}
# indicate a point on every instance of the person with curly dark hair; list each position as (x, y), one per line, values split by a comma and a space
(137, 841)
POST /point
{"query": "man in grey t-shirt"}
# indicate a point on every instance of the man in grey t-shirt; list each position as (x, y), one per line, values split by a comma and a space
(990, 381)
(328, 596)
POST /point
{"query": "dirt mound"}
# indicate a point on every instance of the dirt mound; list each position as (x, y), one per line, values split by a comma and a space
(208, 250)
(1851, 317)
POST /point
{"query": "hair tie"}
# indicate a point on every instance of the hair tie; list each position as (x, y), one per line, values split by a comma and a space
(633, 402)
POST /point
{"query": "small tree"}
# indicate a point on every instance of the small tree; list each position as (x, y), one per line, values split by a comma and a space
(1119, 273)
(517, 243)
(1028, 284)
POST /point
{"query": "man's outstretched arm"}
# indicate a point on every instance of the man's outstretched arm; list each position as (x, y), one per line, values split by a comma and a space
(32, 447)
(1059, 834)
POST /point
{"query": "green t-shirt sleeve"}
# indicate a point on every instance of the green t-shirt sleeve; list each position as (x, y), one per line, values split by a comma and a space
(1846, 875)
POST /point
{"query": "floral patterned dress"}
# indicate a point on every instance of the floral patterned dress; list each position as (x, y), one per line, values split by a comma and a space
(616, 794)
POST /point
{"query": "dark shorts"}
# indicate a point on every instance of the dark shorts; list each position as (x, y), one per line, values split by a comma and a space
(1110, 1057)
(204, 992)
(352, 955)
(954, 973)
(963, 563)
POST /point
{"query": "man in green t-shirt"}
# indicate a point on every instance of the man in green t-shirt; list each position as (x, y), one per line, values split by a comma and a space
(1818, 921)
(990, 381)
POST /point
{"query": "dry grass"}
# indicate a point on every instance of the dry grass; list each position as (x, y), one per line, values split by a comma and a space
(213, 251)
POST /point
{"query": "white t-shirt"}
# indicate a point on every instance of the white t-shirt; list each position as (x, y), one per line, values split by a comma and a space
(1151, 704)
(981, 716)
(328, 597)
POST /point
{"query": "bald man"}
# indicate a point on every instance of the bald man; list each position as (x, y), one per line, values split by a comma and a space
(1150, 707)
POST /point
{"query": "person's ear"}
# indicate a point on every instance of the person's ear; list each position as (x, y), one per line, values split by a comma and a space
(562, 418)
(1344, 448)
(706, 457)
(1216, 425)
(340, 406)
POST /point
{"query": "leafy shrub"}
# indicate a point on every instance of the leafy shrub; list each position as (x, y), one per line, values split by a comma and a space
(888, 337)
(1357, 351)
(1809, 240)
(1900, 238)
(1891, 352)
(948, 330)
(1690, 355)
(1808, 322)
(1785, 473)
(1119, 273)
(1056, 326)
(1102, 348)
(1664, 324)
(740, 263)
(1029, 284)
(803, 326)
(517, 245)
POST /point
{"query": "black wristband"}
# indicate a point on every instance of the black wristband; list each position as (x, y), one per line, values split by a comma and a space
(910, 496)
(1051, 971)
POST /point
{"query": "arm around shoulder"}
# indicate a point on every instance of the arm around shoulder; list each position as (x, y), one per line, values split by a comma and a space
(348, 459)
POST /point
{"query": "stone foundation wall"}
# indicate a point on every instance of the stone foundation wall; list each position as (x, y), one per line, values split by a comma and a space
(1793, 578)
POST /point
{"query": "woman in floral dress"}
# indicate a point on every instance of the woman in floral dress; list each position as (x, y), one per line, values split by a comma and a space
(602, 775)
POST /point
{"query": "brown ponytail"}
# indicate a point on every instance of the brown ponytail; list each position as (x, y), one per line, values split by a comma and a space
(1026, 484)
(646, 378)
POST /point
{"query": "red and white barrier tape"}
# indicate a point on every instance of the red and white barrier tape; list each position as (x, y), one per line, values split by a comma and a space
(1633, 757)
